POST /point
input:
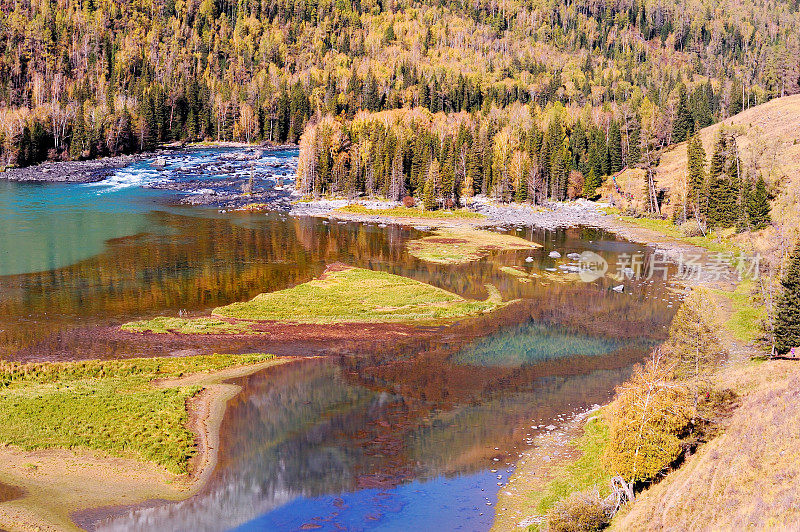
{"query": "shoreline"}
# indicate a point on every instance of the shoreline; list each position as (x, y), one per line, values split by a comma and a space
(49, 481)
(535, 469)
(554, 450)
(551, 216)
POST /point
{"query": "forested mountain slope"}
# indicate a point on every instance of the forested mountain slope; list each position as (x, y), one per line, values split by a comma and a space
(88, 78)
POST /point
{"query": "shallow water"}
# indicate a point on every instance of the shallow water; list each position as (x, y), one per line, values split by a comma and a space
(419, 432)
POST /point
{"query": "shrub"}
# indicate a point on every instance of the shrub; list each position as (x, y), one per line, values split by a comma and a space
(408, 202)
(691, 228)
(581, 511)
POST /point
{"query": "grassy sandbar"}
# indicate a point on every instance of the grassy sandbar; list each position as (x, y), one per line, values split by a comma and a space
(458, 246)
(354, 295)
(109, 406)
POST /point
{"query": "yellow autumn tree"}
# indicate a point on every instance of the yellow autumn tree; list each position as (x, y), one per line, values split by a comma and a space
(650, 414)
(694, 346)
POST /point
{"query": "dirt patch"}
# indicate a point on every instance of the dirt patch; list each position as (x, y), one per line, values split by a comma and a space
(335, 267)
(9, 493)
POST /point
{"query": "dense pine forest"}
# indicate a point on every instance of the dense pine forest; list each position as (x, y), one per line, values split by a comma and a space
(92, 78)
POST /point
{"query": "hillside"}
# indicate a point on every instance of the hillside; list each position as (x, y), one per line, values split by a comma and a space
(82, 79)
(768, 138)
(747, 477)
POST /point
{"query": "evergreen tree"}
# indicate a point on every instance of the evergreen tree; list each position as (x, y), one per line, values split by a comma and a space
(615, 148)
(634, 154)
(723, 189)
(787, 319)
(428, 195)
(126, 140)
(683, 126)
(758, 207)
(148, 129)
(78, 135)
(591, 184)
(696, 177)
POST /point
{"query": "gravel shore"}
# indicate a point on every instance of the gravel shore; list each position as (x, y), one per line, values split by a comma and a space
(77, 171)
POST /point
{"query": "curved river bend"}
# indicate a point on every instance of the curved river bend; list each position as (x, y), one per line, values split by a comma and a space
(415, 434)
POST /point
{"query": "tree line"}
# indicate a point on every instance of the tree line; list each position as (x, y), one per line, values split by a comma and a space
(519, 153)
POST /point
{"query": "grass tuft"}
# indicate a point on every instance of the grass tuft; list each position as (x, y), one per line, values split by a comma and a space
(164, 324)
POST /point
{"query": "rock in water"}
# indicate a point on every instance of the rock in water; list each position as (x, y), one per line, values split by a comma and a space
(160, 162)
(555, 255)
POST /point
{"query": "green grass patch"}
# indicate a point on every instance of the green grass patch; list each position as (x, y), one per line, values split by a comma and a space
(355, 295)
(163, 324)
(745, 321)
(715, 241)
(514, 271)
(583, 473)
(458, 246)
(412, 212)
(109, 406)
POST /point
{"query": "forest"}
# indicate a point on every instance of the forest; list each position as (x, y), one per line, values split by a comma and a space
(94, 78)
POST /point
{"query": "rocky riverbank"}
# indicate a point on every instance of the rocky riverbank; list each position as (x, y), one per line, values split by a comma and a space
(78, 171)
(551, 216)
(94, 170)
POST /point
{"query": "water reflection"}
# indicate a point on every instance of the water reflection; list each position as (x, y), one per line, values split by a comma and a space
(363, 441)
(397, 426)
(197, 263)
(315, 436)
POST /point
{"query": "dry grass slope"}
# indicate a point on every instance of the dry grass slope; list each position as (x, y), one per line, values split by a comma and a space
(748, 477)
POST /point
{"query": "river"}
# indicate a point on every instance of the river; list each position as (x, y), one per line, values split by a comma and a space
(420, 434)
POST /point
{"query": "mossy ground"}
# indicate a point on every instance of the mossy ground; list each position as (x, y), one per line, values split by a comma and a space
(109, 406)
(458, 246)
(413, 212)
(164, 324)
(746, 315)
(354, 295)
